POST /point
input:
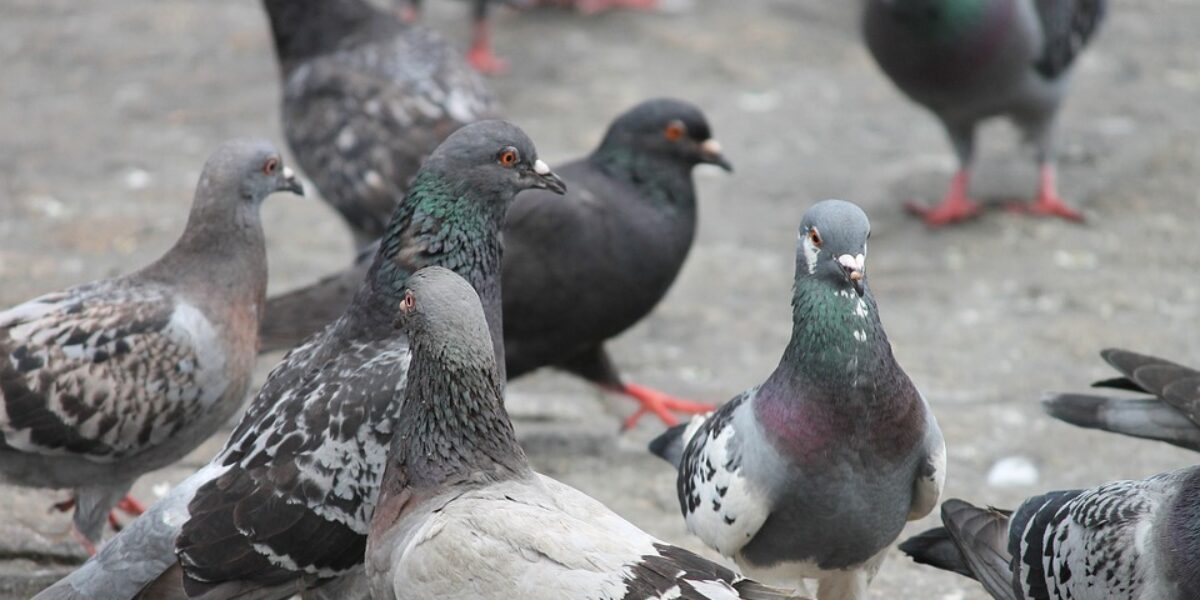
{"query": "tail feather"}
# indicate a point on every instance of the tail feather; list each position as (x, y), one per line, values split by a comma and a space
(669, 444)
(748, 589)
(1146, 418)
(292, 317)
(982, 537)
(937, 549)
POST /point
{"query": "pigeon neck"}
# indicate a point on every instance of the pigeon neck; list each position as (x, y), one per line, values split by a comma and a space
(306, 28)
(954, 20)
(453, 428)
(664, 181)
(438, 223)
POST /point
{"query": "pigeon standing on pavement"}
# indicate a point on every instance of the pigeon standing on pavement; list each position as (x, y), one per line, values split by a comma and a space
(365, 99)
(285, 505)
(812, 474)
(969, 60)
(1167, 408)
(105, 381)
(1126, 539)
(462, 515)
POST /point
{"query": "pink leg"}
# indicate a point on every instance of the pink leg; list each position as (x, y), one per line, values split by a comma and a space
(1048, 202)
(130, 506)
(654, 401)
(956, 206)
(481, 56)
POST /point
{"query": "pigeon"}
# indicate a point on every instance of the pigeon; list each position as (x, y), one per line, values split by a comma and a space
(968, 60)
(105, 381)
(1125, 539)
(366, 98)
(462, 515)
(286, 503)
(1167, 407)
(813, 473)
(571, 284)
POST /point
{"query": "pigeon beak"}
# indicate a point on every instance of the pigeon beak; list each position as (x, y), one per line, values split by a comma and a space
(710, 153)
(545, 179)
(853, 267)
(290, 183)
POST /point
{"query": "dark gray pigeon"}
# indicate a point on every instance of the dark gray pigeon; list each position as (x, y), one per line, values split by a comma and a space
(108, 380)
(580, 271)
(969, 60)
(286, 504)
(813, 473)
(1126, 539)
(365, 99)
(462, 515)
(1167, 407)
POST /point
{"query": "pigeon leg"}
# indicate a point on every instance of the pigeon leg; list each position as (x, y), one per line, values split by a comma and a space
(130, 506)
(87, 544)
(1048, 202)
(955, 207)
(410, 12)
(480, 55)
(654, 401)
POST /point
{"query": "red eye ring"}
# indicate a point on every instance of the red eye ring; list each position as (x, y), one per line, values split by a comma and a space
(270, 166)
(509, 157)
(675, 131)
(814, 236)
(408, 302)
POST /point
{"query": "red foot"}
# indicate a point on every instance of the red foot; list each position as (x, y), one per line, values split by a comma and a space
(484, 61)
(87, 544)
(1048, 203)
(409, 13)
(130, 506)
(957, 206)
(654, 401)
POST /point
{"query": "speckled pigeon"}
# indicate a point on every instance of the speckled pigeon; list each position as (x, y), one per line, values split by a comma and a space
(365, 99)
(813, 473)
(969, 60)
(580, 271)
(461, 515)
(1126, 539)
(1170, 414)
(105, 381)
(286, 503)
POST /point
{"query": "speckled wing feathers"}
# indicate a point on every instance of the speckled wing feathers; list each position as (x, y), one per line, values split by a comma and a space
(1067, 26)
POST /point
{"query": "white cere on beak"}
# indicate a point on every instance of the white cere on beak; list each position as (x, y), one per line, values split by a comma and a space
(288, 173)
(711, 146)
(541, 168)
(854, 263)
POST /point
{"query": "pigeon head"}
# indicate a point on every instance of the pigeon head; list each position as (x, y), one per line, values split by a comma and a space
(247, 171)
(493, 158)
(443, 318)
(666, 128)
(832, 244)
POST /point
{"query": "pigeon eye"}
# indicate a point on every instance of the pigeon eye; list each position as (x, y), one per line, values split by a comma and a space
(509, 157)
(814, 236)
(675, 131)
(270, 166)
(408, 302)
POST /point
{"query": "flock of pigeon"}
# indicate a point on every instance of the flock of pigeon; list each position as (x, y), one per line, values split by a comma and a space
(378, 461)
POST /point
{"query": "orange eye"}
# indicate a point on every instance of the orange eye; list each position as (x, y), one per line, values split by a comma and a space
(675, 131)
(509, 157)
(408, 302)
(814, 236)
(270, 166)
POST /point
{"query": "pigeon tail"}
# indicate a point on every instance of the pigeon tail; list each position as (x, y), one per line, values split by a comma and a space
(291, 317)
(669, 444)
(937, 549)
(1146, 418)
(981, 535)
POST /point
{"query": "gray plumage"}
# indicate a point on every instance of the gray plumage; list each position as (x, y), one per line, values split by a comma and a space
(1167, 408)
(458, 492)
(969, 60)
(365, 99)
(1126, 539)
(812, 474)
(103, 382)
(285, 505)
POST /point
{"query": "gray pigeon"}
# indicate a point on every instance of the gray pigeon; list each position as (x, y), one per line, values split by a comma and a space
(580, 271)
(285, 505)
(1126, 539)
(813, 473)
(111, 379)
(365, 99)
(462, 515)
(1167, 407)
(969, 60)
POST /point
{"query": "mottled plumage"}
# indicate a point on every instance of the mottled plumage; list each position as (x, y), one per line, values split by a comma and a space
(970, 60)
(462, 515)
(108, 380)
(365, 99)
(812, 474)
(1171, 414)
(285, 505)
(1126, 539)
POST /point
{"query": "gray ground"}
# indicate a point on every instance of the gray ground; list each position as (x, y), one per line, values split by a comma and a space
(108, 109)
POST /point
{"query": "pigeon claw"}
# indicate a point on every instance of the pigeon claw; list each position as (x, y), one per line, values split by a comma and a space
(482, 59)
(130, 506)
(1050, 205)
(654, 401)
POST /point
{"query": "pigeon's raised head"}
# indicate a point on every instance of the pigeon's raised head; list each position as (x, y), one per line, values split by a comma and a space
(249, 169)
(493, 157)
(442, 315)
(832, 244)
(667, 127)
